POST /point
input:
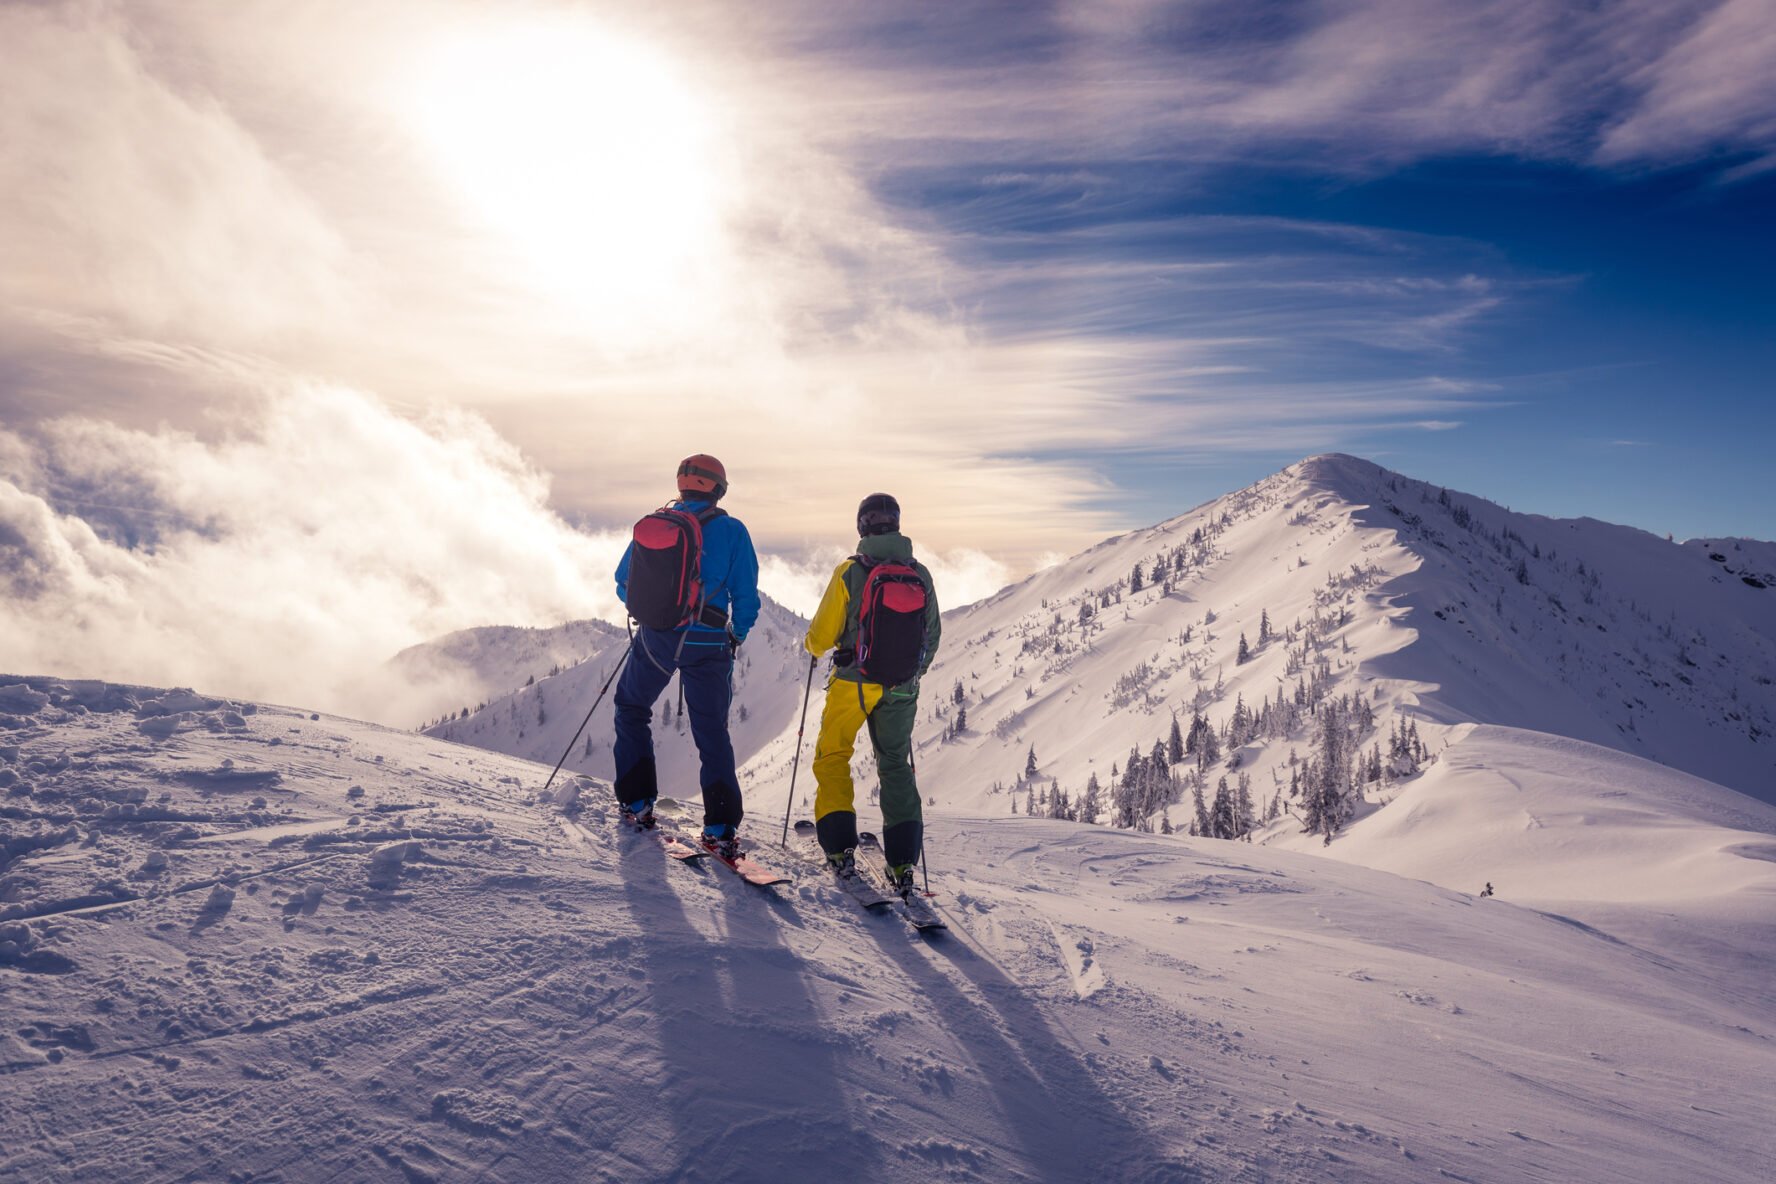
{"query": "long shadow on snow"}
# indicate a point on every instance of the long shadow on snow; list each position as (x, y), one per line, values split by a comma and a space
(1066, 1127)
(750, 1084)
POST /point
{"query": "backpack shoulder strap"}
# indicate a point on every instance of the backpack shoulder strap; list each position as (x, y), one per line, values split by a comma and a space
(711, 514)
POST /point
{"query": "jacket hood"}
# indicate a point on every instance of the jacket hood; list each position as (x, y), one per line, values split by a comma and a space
(892, 545)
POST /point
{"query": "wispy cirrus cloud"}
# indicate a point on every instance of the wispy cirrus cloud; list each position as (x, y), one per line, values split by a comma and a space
(1713, 90)
(1349, 85)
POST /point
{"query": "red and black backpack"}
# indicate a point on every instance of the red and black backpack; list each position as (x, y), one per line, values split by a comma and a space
(890, 622)
(666, 568)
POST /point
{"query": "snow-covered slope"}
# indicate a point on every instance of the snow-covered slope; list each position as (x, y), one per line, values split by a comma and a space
(1558, 821)
(538, 721)
(1432, 605)
(251, 944)
(1750, 561)
(1657, 858)
(471, 666)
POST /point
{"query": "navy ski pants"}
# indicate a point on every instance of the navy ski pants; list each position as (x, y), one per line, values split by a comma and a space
(706, 672)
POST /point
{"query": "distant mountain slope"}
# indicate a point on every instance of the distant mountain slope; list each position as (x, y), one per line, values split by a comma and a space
(1750, 561)
(246, 942)
(537, 722)
(495, 659)
(1430, 605)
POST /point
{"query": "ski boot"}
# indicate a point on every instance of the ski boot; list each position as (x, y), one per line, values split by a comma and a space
(843, 865)
(900, 879)
(640, 813)
(723, 840)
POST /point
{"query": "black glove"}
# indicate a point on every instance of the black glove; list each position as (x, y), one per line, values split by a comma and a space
(734, 645)
(843, 658)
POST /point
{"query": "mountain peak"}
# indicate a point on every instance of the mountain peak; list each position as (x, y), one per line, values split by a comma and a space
(1341, 473)
(1338, 578)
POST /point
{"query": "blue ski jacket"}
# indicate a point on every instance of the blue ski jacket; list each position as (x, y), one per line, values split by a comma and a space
(730, 576)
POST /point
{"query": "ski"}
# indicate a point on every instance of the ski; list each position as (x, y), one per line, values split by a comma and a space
(863, 892)
(860, 887)
(854, 886)
(666, 813)
(919, 912)
(914, 905)
(746, 867)
(674, 846)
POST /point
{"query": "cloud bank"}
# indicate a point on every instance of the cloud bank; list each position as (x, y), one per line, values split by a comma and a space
(290, 551)
(285, 558)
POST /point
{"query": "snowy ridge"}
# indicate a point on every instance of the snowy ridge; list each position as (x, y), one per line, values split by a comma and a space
(252, 943)
(1750, 561)
(1433, 606)
(471, 666)
(537, 721)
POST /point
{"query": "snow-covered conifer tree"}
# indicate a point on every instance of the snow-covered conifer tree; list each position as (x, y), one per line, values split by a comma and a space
(1221, 821)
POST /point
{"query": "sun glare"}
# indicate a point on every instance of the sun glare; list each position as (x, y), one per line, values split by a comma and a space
(596, 162)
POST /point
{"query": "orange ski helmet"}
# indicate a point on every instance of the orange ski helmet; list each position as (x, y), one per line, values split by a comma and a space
(702, 474)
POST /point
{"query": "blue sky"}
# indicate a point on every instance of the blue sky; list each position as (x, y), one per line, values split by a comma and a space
(1629, 375)
(1612, 352)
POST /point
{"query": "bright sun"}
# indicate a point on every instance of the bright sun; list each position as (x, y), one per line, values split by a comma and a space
(596, 162)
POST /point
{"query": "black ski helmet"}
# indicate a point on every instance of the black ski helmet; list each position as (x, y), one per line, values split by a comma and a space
(878, 513)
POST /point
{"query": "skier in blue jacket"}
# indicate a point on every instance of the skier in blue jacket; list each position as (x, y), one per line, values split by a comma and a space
(702, 653)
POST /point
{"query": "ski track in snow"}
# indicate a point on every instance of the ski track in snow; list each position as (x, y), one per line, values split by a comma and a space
(436, 978)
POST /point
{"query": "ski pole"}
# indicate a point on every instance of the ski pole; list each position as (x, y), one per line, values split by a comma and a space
(576, 736)
(795, 765)
(924, 867)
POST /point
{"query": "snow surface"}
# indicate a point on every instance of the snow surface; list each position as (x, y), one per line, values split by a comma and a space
(1552, 819)
(276, 946)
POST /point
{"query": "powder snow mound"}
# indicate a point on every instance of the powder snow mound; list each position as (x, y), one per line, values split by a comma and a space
(1555, 823)
(391, 962)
